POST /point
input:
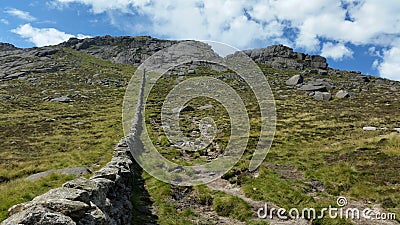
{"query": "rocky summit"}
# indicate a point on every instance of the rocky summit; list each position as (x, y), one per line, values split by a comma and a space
(64, 158)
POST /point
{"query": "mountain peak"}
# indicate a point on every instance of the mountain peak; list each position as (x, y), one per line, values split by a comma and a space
(283, 57)
(7, 47)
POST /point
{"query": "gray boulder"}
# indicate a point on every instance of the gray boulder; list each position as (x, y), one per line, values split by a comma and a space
(322, 96)
(342, 94)
(78, 171)
(187, 108)
(205, 107)
(322, 72)
(15, 75)
(63, 99)
(295, 80)
(369, 128)
(314, 87)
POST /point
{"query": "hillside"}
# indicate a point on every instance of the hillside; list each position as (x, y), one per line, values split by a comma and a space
(337, 132)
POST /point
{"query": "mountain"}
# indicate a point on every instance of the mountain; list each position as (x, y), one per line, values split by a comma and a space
(337, 134)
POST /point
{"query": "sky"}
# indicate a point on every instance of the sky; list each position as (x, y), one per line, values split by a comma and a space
(357, 35)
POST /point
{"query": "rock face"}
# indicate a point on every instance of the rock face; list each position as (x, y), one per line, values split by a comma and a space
(7, 47)
(282, 57)
(125, 50)
(105, 198)
(16, 63)
(135, 50)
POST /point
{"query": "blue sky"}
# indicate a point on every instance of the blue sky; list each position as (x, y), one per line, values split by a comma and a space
(362, 35)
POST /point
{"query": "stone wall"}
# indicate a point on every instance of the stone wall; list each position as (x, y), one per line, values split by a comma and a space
(105, 198)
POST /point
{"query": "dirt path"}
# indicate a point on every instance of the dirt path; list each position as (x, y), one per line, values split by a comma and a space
(228, 188)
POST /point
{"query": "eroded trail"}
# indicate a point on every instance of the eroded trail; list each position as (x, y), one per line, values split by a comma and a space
(230, 189)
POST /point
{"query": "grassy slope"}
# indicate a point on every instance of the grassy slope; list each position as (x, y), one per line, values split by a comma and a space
(315, 141)
(39, 135)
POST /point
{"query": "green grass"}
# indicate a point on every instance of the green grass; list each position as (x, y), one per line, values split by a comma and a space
(314, 141)
(18, 191)
(232, 206)
(39, 135)
(167, 213)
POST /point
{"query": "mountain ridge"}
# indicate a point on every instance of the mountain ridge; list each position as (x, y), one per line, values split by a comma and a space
(135, 49)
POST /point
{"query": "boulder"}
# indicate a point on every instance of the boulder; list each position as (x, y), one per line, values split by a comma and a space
(15, 75)
(322, 96)
(205, 107)
(6, 97)
(322, 72)
(370, 128)
(46, 52)
(342, 94)
(78, 171)
(295, 80)
(63, 99)
(314, 87)
(187, 108)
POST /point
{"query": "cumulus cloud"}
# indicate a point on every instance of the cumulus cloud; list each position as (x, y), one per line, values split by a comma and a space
(345, 20)
(390, 66)
(20, 14)
(101, 6)
(43, 36)
(307, 26)
(336, 51)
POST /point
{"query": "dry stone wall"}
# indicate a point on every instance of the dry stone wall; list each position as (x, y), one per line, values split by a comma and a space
(105, 198)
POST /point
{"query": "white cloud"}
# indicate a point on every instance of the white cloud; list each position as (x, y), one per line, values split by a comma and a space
(336, 51)
(313, 25)
(372, 50)
(82, 36)
(390, 66)
(375, 64)
(371, 21)
(43, 36)
(4, 21)
(20, 14)
(101, 6)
